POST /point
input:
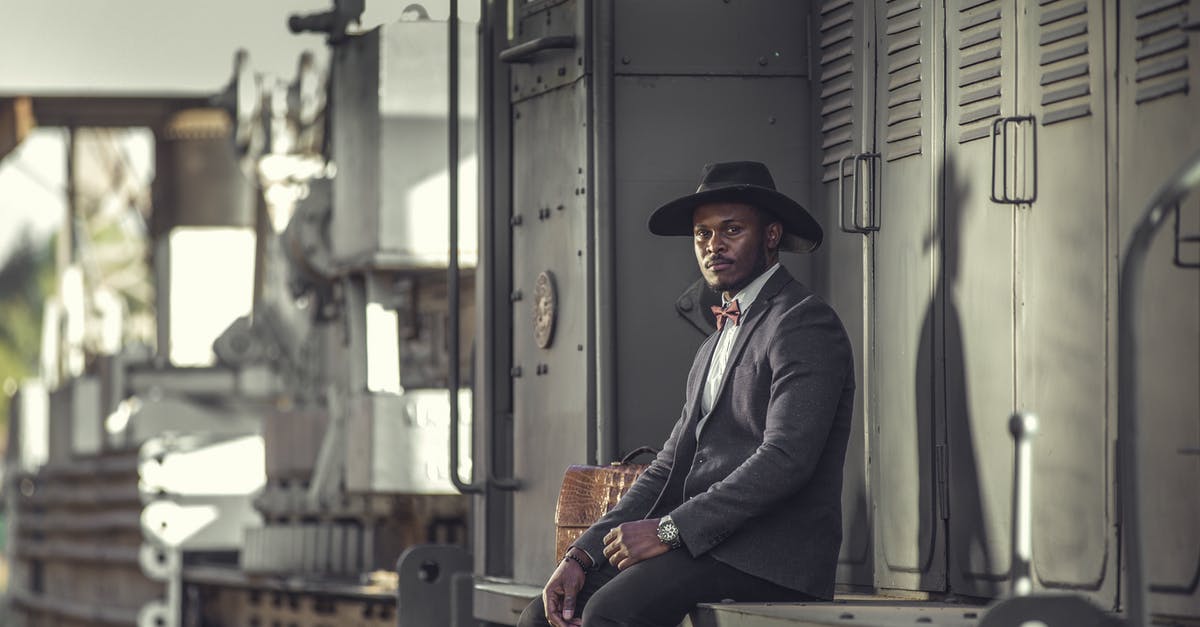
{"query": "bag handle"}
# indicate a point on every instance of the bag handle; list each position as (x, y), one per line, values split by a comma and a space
(634, 453)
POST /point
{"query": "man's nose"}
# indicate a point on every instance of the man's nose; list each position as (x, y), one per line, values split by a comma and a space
(716, 243)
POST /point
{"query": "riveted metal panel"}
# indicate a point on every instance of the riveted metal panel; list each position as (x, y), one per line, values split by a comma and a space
(550, 384)
(657, 160)
(903, 301)
(548, 69)
(978, 309)
(1161, 62)
(1062, 273)
(707, 37)
(844, 99)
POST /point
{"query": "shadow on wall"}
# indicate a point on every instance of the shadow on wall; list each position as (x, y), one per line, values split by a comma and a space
(967, 532)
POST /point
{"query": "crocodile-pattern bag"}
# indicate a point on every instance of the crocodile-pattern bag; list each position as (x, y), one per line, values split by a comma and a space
(589, 492)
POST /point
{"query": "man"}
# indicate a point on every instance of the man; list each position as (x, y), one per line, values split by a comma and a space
(744, 501)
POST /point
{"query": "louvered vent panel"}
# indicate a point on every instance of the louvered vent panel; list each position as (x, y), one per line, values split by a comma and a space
(978, 56)
(838, 88)
(1065, 76)
(1162, 50)
(902, 45)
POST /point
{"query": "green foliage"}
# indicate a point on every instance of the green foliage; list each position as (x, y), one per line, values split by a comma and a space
(26, 278)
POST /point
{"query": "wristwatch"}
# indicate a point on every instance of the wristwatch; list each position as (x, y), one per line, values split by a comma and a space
(668, 533)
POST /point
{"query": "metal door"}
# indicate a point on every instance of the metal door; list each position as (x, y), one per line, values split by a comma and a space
(977, 271)
(846, 61)
(551, 288)
(682, 101)
(1063, 270)
(1159, 78)
(907, 436)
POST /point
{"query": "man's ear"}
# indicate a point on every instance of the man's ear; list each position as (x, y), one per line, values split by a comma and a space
(774, 234)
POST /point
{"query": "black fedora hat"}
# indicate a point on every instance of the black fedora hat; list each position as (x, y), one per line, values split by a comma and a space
(742, 181)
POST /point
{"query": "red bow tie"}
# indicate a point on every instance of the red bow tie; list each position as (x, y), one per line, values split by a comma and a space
(731, 311)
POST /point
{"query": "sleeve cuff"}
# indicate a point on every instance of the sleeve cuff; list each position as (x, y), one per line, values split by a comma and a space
(588, 553)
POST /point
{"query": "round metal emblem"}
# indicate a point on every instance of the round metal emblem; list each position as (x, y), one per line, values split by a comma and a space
(545, 309)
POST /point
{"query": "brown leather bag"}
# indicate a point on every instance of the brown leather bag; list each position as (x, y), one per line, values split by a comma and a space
(589, 492)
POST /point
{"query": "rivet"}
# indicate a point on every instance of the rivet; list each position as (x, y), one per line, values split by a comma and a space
(625, 61)
(762, 60)
(770, 119)
(562, 71)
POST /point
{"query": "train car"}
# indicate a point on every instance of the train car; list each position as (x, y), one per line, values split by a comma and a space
(979, 168)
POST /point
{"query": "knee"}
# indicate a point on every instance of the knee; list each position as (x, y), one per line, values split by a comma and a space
(609, 610)
(534, 615)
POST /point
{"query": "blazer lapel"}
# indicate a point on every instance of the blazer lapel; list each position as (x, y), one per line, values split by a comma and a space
(685, 447)
(758, 311)
(696, 388)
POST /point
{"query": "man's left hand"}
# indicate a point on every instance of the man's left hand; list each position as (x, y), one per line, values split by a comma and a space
(632, 542)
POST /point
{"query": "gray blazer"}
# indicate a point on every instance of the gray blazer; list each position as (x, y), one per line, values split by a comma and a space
(760, 487)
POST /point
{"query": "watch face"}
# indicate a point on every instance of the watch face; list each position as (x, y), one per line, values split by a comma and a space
(668, 533)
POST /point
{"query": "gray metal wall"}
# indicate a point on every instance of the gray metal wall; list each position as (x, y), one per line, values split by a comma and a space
(1159, 66)
(977, 297)
(602, 133)
(999, 148)
(985, 281)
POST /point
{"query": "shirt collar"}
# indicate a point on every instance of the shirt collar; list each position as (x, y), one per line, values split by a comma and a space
(749, 293)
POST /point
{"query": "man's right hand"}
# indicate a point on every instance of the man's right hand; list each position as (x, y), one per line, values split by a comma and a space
(561, 592)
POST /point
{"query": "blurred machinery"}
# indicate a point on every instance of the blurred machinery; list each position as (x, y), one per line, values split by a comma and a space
(307, 443)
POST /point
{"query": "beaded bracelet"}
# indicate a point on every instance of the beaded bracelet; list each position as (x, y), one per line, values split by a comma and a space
(568, 556)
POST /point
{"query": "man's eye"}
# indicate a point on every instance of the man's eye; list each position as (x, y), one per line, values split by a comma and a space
(734, 229)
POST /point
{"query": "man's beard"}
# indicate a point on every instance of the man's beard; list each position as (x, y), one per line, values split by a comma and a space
(759, 267)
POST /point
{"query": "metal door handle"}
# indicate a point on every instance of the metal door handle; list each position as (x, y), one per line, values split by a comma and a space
(1182, 239)
(452, 276)
(522, 52)
(472, 486)
(852, 225)
(1000, 130)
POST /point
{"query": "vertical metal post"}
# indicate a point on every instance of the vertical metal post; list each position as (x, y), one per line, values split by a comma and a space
(1023, 426)
(452, 274)
(602, 172)
(65, 252)
(263, 230)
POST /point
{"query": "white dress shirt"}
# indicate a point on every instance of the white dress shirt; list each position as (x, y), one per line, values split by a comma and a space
(720, 358)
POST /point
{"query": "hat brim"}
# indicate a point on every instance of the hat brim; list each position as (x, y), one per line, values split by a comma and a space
(801, 233)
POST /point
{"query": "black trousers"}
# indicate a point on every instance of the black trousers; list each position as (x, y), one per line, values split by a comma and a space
(660, 592)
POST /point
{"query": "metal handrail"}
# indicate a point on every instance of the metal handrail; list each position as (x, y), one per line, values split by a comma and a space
(454, 340)
(1023, 426)
(1163, 203)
